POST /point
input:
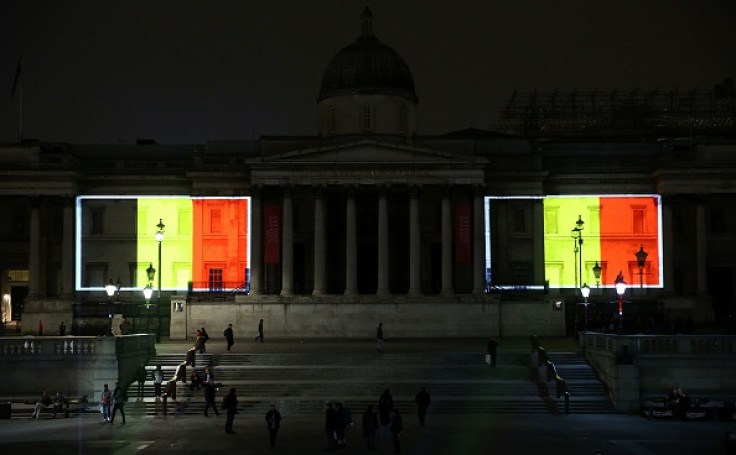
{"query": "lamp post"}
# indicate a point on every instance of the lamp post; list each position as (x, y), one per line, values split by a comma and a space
(641, 260)
(577, 235)
(147, 293)
(159, 238)
(620, 289)
(585, 291)
(110, 289)
(597, 274)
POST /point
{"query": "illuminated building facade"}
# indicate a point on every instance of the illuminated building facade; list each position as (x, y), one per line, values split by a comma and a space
(468, 233)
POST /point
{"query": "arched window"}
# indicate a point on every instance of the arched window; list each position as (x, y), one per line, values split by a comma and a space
(332, 120)
(402, 119)
(366, 117)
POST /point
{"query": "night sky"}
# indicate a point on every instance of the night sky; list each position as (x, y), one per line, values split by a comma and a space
(185, 71)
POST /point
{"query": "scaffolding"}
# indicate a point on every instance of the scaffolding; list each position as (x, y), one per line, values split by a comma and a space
(536, 113)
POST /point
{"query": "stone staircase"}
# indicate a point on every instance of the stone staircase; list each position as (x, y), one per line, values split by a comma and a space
(458, 382)
(588, 395)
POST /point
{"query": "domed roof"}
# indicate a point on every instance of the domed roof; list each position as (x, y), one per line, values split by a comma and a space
(367, 67)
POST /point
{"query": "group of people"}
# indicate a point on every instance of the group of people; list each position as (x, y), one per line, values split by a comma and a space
(112, 401)
(338, 419)
(389, 420)
(45, 401)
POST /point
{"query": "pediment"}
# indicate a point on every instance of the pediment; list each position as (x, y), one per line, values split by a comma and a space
(367, 151)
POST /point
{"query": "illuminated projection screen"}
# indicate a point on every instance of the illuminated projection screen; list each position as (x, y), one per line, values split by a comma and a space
(206, 242)
(616, 227)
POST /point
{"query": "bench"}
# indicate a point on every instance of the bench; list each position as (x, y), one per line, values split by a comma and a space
(700, 408)
(24, 407)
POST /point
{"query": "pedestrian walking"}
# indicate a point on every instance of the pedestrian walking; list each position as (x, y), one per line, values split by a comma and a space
(379, 337)
(209, 397)
(229, 336)
(492, 351)
(119, 398)
(273, 421)
(40, 328)
(729, 443)
(370, 425)
(422, 400)
(396, 428)
(140, 376)
(158, 379)
(105, 401)
(205, 338)
(332, 419)
(385, 405)
(62, 329)
(260, 332)
(230, 405)
(199, 341)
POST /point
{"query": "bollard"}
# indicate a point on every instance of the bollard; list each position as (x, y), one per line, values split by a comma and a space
(166, 399)
(567, 402)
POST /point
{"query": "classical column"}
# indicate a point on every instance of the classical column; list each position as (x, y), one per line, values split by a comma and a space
(479, 244)
(538, 229)
(415, 285)
(34, 258)
(701, 245)
(383, 284)
(67, 249)
(351, 248)
(668, 246)
(256, 237)
(287, 259)
(319, 244)
(446, 246)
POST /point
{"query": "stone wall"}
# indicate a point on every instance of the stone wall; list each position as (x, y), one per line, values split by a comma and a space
(74, 366)
(637, 368)
(338, 317)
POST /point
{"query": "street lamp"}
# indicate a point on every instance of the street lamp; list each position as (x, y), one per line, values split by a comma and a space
(159, 238)
(147, 293)
(577, 235)
(620, 289)
(585, 291)
(110, 289)
(597, 274)
(641, 260)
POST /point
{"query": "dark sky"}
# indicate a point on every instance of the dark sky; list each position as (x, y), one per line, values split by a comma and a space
(186, 71)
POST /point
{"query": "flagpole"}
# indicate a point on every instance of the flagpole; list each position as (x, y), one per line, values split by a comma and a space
(20, 110)
(18, 83)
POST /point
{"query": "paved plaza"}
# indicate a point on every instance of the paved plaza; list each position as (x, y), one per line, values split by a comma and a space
(471, 432)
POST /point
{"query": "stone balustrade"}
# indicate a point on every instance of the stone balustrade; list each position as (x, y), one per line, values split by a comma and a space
(73, 365)
(29, 346)
(638, 367)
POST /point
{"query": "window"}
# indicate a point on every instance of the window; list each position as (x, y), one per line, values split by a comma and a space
(402, 119)
(215, 279)
(215, 220)
(638, 220)
(678, 226)
(332, 120)
(97, 221)
(19, 218)
(716, 223)
(519, 220)
(550, 221)
(366, 117)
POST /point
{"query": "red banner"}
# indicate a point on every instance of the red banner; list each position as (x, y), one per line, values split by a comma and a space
(271, 234)
(463, 234)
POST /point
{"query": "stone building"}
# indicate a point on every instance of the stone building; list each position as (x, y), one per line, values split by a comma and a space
(366, 221)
